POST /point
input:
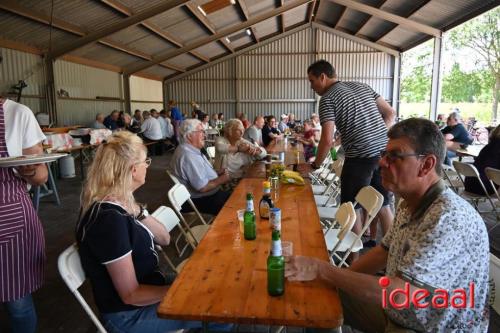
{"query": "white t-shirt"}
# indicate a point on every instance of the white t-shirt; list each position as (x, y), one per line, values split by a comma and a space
(21, 128)
(167, 129)
(151, 129)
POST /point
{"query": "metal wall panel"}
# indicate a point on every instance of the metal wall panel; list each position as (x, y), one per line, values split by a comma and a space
(17, 66)
(272, 79)
(144, 92)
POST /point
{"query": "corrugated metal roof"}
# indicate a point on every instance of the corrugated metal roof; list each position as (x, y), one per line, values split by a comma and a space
(26, 22)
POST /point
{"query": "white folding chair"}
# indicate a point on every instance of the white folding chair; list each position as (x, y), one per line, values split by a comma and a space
(340, 240)
(178, 195)
(167, 217)
(211, 153)
(451, 177)
(329, 199)
(371, 201)
(469, 170)
(494, 178)
(72, 273)
(495, 278)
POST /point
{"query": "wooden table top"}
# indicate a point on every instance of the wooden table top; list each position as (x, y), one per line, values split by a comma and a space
(225, 280)
(471, 150)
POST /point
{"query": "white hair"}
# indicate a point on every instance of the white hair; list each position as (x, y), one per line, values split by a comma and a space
(188, 126)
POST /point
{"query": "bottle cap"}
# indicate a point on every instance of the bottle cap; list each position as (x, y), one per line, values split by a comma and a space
(266, 184)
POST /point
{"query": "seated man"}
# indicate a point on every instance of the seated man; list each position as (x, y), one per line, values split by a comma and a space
(151, 131)
(194, 171)
(437, 241)
(111, 121)
(455, 135)
(99, 122)
(254, 132)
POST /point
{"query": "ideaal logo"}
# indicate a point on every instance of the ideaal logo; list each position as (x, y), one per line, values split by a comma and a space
(440, 299)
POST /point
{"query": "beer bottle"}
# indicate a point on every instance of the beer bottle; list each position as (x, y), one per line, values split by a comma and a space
(249, 227)
(333, 153)
(276, 267)
(266, 202)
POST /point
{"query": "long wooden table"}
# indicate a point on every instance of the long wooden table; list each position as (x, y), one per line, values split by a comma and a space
(225, 280)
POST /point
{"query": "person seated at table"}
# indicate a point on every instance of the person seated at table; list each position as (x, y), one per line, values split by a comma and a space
(254, 132)
(283, 124)
(291, 121)
(138, 117)
(203, 117)
(194, 170)
(489, 156)
(308, 141)
(131, 124)
(241, 116)
(151, 132)
(438, 242)
(99, 122)
(167, 129)
(111, 121)
(456, 136)
(270, 132)
(316, 126)
(234, 153)
(115, 237)
(214, 121)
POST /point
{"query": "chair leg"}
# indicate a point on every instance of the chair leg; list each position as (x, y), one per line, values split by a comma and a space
(52, 185)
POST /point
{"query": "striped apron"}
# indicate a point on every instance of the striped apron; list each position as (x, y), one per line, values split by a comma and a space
(22, 243)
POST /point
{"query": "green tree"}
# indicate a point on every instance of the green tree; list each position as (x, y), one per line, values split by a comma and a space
(416, 74)
(459, 86)
(482, 36)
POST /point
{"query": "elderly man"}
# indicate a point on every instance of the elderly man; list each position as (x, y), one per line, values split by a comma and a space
(254, 132)
(151, 131)
(455, 135)
(98, 123)
(362, 117)
(283, 124)
(193, 170)
(438, 243)
(111, 121)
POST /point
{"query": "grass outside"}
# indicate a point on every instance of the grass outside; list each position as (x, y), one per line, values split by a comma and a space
(481, 111)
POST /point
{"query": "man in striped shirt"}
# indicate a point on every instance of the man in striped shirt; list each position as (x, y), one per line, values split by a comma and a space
(362, 118)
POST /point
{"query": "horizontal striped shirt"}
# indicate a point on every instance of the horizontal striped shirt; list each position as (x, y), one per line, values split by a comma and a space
(352, 106)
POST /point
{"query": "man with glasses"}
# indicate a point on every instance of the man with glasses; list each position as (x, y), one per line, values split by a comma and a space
(438, 242)
(362, 118)
(194, 171)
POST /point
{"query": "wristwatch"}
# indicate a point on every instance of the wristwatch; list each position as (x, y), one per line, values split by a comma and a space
(314, 166)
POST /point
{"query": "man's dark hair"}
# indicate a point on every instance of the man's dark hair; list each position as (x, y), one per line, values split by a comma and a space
(321, 67)
(424, 136)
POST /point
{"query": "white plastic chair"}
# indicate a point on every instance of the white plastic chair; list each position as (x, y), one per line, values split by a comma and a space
(178, 195)
(333, 179)
(495, 277)
(341, 239)
(371, 201)
(494, 178)
(167, 217)
(451, 177)
(72, 273)
(469, 170)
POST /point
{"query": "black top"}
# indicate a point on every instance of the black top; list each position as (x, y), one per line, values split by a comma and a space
(266, 139)
(489, 156)
(110, 123)
(107, 233)
(459, 133)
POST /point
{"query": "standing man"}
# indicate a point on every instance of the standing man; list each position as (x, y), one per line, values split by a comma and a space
(177, 118)
(438, 243)
(254, 132)
(362, 118)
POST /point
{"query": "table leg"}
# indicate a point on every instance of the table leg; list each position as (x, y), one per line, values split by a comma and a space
(205, 326)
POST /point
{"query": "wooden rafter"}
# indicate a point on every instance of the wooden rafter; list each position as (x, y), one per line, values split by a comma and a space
(71, 28)
(244, 9)
(368, 19)
(341, 16)
(152, 27)
(416, 26)
(207, 24)
(281, 18)
(123, 24)
(310, 11)
(222, 33)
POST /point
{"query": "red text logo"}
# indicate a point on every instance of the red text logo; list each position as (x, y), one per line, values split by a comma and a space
(401, 298)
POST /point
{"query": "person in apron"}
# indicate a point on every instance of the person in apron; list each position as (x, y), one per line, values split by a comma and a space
(22, 243)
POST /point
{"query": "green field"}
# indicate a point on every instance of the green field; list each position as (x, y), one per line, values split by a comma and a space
(481, 111)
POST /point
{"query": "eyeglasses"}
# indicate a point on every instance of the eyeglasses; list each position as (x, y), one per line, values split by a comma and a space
(147, 161)
(392, 156)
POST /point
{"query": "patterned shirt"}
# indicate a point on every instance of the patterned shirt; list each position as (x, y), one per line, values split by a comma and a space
(444, 244)
(351, 105)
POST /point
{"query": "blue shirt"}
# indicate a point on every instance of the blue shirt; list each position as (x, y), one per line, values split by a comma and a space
(176, 113)
(459, 133)
(192, 169)
(110, 123)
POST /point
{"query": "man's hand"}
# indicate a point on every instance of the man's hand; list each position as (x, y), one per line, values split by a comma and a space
(224, 177)
(27, 171)
(299, 268)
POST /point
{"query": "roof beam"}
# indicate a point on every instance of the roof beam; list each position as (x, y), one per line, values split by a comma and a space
(71, 28)
(389, 17)
(192, 8)
(152, 27)
(310, 11)
(337, 24)
(376, 46)
(281, 18)
(369, 18)
(125, 23)
(246, 14)
(239, 52)
(222, 33)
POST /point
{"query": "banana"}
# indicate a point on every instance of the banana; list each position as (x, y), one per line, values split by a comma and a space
(292, 177)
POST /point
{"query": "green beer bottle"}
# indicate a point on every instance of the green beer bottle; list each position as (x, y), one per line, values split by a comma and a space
(276, 267)
(333, 153)
(249, 227)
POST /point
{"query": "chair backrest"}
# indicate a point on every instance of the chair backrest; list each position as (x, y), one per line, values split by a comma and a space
(370, 199)
(174, 178)
(71, 271)
(493, 175)
(495, 276)
(167, 217)
(337, 166)
(345, 217)
(178, 195)
(211, 152)
(465, 169)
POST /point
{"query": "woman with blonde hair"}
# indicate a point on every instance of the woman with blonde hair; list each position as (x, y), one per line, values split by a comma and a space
(234, 153)
(116, 239)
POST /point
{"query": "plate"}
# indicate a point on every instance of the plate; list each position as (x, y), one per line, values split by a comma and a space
(7, 162)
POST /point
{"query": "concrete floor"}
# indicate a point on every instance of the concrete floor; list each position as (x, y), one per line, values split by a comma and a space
(57, 308)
